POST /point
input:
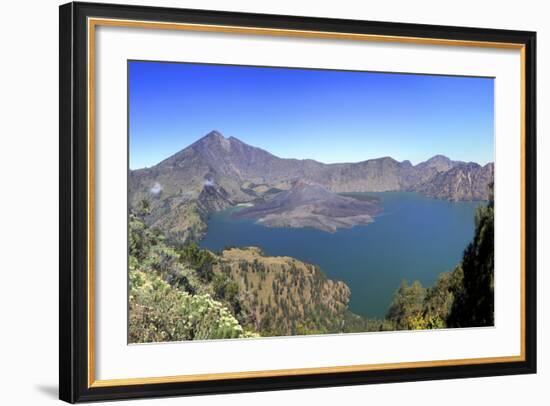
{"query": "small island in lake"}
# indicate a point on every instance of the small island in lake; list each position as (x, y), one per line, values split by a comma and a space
(311, 205)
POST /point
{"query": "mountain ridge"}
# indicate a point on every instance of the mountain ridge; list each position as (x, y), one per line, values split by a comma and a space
(216, 134)
(216, 172)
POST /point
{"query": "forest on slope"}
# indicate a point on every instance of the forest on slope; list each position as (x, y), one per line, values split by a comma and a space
(187, 293)
(182, 292)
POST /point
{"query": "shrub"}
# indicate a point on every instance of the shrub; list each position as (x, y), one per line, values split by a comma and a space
(159, 312)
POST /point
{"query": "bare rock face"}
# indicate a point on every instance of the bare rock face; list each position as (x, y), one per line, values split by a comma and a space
(464, 181)
(217, 172)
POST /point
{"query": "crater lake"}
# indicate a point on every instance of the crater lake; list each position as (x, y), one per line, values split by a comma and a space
(414, 238)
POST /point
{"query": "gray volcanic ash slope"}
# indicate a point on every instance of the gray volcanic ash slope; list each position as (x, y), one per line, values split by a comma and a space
(311, 205)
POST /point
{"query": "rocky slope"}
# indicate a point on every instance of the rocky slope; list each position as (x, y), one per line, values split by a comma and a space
(217, 172)
(464, 181)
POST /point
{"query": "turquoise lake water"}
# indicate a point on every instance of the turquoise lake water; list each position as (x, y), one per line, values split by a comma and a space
(415, 238)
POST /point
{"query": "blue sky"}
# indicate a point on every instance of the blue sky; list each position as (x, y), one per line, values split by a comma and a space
(329, 116)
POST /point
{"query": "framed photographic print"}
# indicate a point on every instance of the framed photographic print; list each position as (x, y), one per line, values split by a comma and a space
(257, 202)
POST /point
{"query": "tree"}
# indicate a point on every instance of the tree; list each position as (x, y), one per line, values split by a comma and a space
(225, 289)
(200, 260)
(407, 306)
(144, 208)
(440, 298)
(474, 299)
(141, 238)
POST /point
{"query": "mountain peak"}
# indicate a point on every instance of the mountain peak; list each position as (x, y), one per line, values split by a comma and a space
(438, 158)
(214, 134)
(439, 162)
(211, 140)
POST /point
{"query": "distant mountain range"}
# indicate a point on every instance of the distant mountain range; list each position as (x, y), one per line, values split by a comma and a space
(217, 172)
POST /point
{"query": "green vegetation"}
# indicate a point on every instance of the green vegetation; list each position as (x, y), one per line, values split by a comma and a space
(144, 208)
(200, 260)
(171, 295)
(160, 312)
(188, 293)
(281, 295)
(406, 308)
(461, 298)
(474, 302)
(417, 308)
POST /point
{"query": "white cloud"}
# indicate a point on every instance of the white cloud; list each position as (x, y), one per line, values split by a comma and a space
(156, 189)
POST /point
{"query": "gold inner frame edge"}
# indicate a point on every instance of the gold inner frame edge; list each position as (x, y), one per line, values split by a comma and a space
(94, 22)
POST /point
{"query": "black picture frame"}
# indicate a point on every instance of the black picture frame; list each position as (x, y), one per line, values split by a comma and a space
(74, 199)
